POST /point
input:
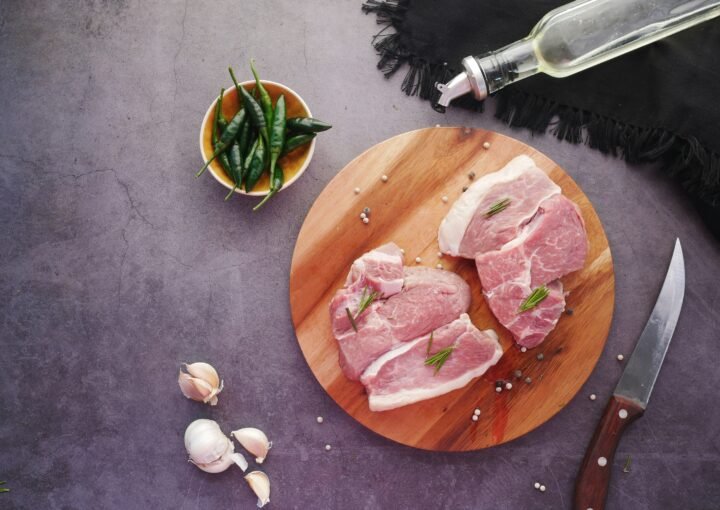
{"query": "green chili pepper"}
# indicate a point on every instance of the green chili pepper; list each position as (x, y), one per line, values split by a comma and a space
(277, 134)
(306, 125)
(218, 123)
(222, 122)
(225, 163)
(248, 159)
(226, 138)
(233, 128)
(236, 170)
(265, 100)
(253, 108)
(244, 138)
(277, 179)
(252, 145)
(243, 141)
(217, 126)
(256, 167)
(296, 141)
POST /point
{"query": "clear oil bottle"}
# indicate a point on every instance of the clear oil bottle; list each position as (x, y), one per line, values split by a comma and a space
(575, 37)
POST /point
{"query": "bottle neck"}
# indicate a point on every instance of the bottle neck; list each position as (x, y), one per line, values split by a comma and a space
(509, 64)
(489, 73)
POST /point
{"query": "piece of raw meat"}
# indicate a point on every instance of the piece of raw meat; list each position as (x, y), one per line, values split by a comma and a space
(467, 230)
(552, 245)
(429, 299)
(401, 377)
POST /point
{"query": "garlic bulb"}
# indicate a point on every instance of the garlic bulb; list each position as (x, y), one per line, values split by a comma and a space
(200, 383)
(260, 484)
(253, 440)
(209, 449)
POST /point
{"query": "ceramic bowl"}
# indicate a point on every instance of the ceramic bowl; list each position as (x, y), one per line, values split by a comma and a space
(293, 164)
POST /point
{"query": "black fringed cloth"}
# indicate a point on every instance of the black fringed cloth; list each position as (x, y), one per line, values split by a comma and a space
(659, 103)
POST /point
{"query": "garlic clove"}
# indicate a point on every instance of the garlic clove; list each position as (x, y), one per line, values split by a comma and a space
(253, 440)
(240, 461)
(194, 389)
(260, 484)
(209, 449)
(204, 371)
(200, 383)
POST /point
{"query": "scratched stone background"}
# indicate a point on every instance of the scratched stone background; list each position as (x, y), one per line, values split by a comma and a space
(116, 265)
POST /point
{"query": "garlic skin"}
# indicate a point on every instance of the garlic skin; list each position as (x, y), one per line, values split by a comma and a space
(260, 484)
(209, 449)
(253, 440)
(201, 382)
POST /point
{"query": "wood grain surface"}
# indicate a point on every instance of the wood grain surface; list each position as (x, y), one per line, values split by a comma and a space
(423, 166)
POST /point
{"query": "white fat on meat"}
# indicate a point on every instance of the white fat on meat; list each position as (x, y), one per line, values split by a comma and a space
(467, 231)
(400, 377)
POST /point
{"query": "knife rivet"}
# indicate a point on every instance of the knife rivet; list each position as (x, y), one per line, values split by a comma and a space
(620, 357)
(623, 414)
(602, 462)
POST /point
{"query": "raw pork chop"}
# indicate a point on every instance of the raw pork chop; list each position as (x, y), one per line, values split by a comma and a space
(467, 230)
(552, 245)
(429, 299)
(400, 376)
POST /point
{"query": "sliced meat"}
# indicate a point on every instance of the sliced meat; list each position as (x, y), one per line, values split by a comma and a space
(467, 230)
(381, 269)
(529, 328)
(429, 299)
(552, 245)
(401, 377)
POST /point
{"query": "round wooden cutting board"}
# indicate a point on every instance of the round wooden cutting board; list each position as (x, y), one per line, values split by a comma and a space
(423, 166)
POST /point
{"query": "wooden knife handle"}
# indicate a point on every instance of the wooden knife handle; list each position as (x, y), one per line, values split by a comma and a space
(593, 480)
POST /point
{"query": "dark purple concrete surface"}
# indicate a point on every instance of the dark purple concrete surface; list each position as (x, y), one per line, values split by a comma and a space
(116, 265)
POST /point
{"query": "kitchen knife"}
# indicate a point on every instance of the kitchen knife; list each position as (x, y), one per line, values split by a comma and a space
(632, 392)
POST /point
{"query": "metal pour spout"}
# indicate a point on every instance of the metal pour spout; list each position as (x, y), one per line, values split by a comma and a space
(458, 86)
(471, 80)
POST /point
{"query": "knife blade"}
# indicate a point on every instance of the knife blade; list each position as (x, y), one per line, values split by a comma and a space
(632, 392)
(644, 365)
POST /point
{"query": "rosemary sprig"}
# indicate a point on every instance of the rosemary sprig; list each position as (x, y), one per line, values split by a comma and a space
(498, 206)
(427, 352)
(534, 298)
(3, 489)
(366, 300)
(438, 359)
(352, 319)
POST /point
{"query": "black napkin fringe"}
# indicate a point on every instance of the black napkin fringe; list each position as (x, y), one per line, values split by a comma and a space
(421, 75)
(696, 167)
(686, 159)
